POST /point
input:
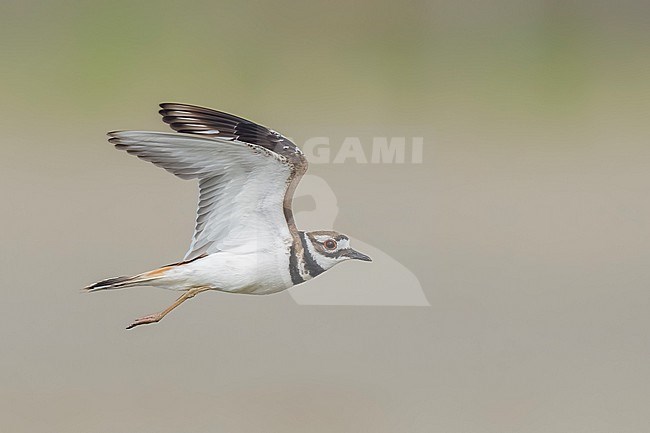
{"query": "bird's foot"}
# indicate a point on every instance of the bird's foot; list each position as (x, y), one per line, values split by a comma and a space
(152, 318)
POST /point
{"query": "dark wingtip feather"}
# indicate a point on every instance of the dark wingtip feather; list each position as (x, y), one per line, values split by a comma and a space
(192, 119)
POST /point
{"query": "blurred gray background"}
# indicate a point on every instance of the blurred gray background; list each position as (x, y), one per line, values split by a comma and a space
(526, 224)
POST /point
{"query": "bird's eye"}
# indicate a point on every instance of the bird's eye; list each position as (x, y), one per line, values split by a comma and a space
(330, 244)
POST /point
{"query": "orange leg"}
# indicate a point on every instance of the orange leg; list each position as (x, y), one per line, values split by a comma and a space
(153, 318)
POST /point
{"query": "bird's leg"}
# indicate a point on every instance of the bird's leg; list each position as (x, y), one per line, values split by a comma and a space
(153, 318)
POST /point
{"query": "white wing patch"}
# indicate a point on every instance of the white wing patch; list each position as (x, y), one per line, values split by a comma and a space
(242, 187)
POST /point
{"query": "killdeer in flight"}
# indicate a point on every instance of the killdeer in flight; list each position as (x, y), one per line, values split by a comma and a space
(245, 238)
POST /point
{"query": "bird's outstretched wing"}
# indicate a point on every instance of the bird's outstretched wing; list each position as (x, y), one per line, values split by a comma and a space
(247, 175)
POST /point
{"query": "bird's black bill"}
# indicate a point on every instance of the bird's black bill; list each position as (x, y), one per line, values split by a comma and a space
(358, 256)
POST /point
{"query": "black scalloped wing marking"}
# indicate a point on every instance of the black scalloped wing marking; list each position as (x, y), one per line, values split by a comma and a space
(191, 119)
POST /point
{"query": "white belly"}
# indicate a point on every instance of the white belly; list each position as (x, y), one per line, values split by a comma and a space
(253, 273)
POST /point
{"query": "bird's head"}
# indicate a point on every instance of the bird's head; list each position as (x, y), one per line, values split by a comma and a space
(328, 248)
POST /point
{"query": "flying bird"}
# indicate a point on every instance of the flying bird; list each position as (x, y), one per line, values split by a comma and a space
(245, 237)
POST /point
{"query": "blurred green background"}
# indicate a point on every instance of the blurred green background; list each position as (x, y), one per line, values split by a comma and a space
(527, 222)
(360, 62)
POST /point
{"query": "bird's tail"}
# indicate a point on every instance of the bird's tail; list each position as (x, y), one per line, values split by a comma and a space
(120, 282)
(158, 277)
